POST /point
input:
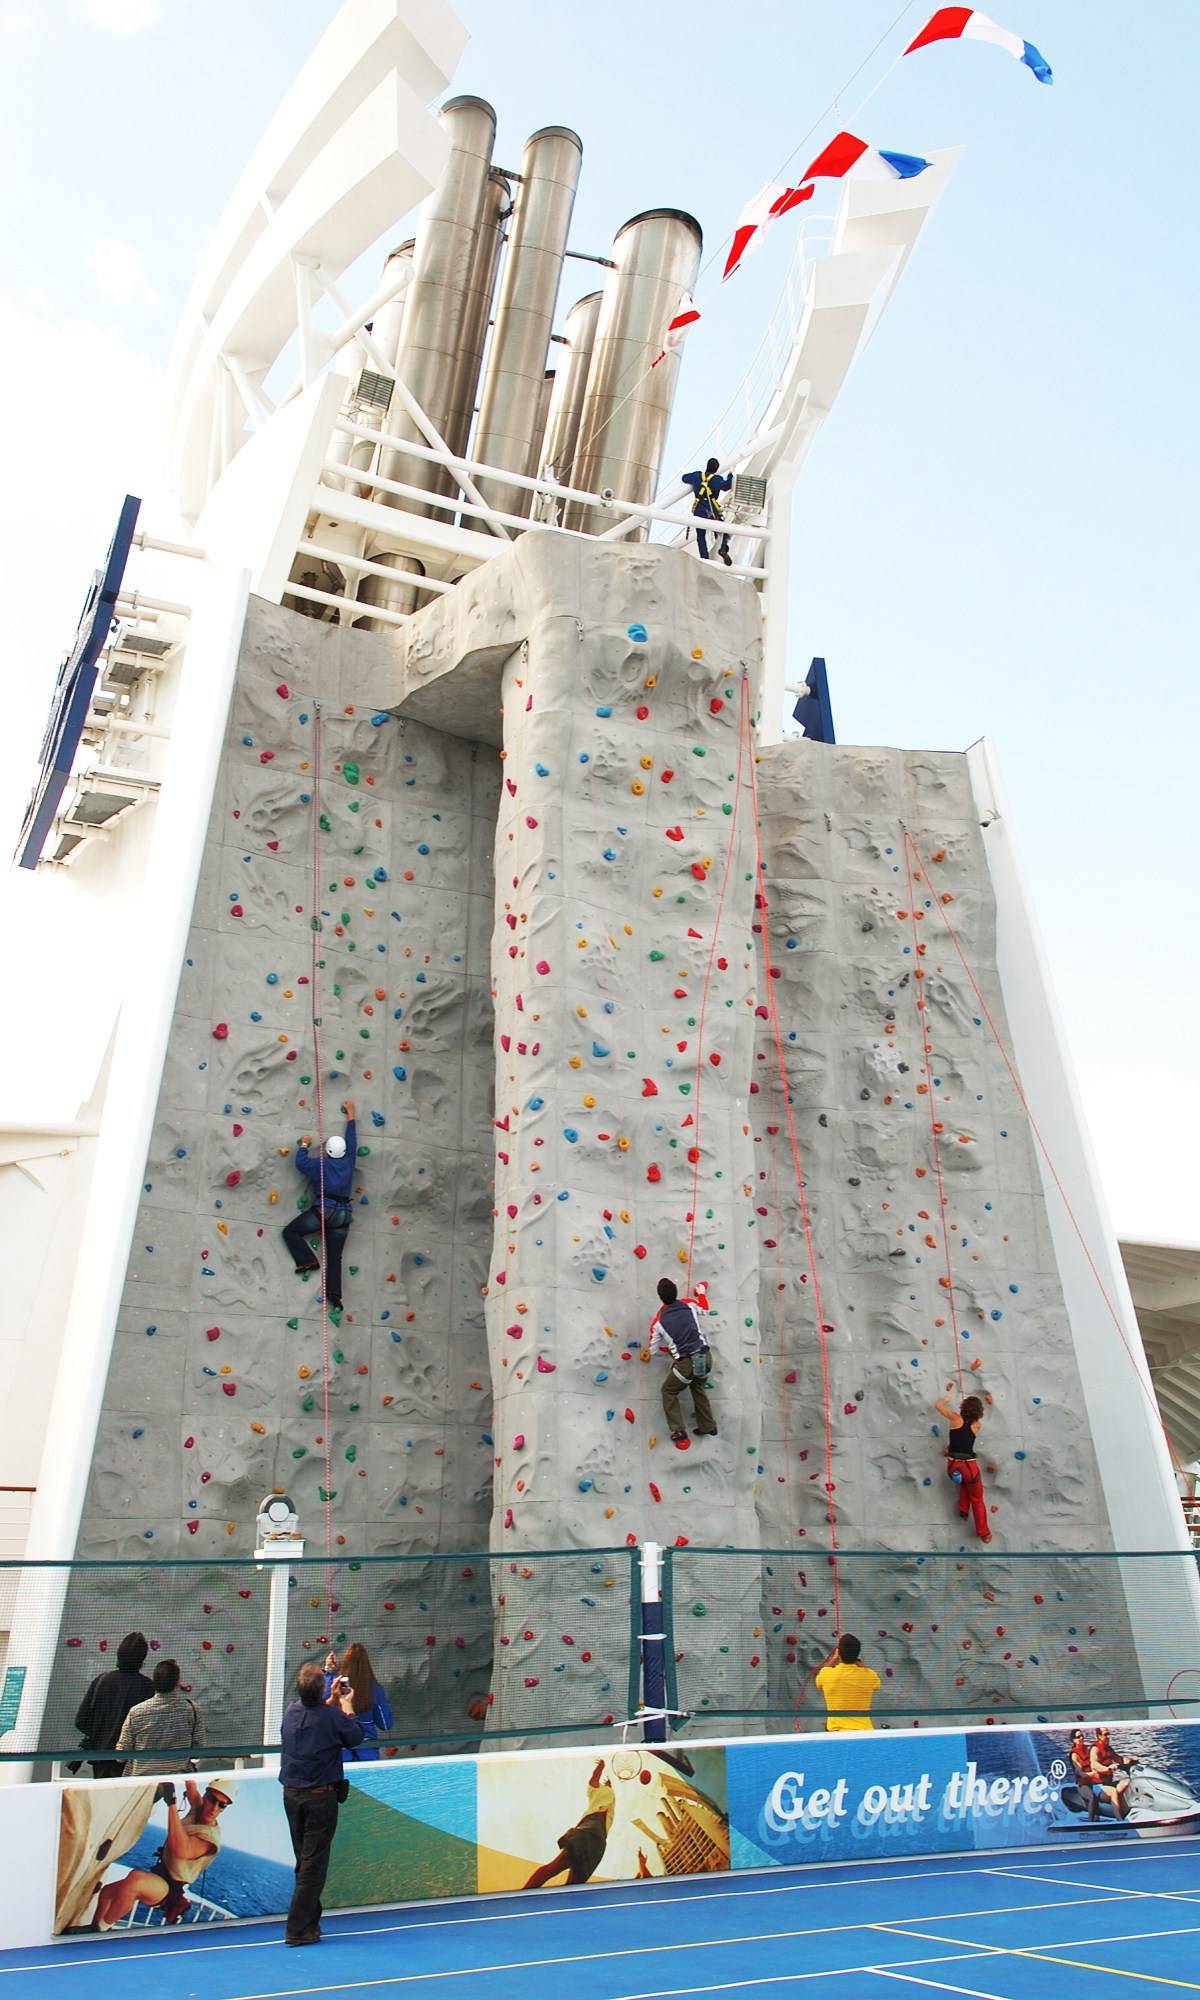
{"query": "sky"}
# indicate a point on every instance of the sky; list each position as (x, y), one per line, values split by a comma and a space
(996, 533)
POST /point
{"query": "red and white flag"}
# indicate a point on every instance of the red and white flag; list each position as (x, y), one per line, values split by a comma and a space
(767, 206)
(685, 316)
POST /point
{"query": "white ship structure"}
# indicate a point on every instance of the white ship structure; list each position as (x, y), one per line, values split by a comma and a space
(447, 781)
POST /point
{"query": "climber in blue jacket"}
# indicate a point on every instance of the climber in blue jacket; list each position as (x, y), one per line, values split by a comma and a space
(330, 1213)
(708, 487)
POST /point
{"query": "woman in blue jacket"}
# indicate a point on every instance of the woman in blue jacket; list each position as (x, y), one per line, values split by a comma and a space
(372, 1708)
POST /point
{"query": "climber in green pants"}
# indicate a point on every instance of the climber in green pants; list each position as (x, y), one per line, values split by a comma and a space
(676, 1330)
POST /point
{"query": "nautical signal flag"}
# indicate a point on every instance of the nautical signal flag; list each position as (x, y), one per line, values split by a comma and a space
(951, 24)
(681, 322)
(844, 156)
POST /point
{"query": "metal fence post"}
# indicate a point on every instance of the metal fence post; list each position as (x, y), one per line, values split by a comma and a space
(278, 1544)
(654, 1729)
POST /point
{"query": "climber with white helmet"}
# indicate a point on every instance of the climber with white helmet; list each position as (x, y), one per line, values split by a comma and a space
(329, 1214)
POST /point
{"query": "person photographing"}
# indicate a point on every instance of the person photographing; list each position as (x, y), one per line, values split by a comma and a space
(312, 1740)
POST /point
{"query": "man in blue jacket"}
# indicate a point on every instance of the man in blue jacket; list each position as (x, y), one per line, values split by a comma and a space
(708, 487)
(331, 1173)
(312, 1738)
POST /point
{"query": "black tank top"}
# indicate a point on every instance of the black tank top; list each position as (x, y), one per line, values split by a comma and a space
(962, 1442)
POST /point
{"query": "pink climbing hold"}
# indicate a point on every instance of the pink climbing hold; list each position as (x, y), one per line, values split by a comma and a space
(266, 756)
(229, 1388)
(531, 1680)
(542, 967)
(519, 1441)
(508, 1517)
(232, 1179)
(545, 1367)
(282, 690)
(236, 910)
(221, 1031)
(513, 1332)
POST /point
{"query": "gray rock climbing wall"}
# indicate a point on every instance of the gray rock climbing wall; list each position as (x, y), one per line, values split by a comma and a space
(545, 989)
(214, 1394)
(932, 1253)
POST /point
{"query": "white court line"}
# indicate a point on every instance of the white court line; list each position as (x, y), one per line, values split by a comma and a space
(1150, 1850)
(593, 1906)
(941, 1985)
(779, 1979)
(1112, 1888)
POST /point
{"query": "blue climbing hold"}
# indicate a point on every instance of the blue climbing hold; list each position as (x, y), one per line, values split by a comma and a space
(400, 1073)
(638, 634)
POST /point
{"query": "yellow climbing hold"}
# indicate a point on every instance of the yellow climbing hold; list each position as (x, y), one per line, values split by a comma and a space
(304, 1373)
(647, 763)
(622, 1145)
(637, 788)
(628, 929)
(576, 1062)
(260, 1430)
(697, 652)
(273, 1197)
(589, 1102)
(582, 1013)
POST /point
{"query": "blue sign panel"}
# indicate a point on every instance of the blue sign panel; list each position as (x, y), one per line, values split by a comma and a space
(73, 690)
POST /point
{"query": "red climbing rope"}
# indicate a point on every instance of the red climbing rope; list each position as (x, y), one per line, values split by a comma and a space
(698, 1084)
(315, 988)
(798, 1169)
(934, 1121)
(1009, 1065)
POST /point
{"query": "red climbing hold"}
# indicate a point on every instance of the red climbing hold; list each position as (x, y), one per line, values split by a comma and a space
(282, 690)
(545, 1367)
(221, 1032)
(232, 1179)
(654, 1492)
(653, 1173)
(639, 1250)
(649, 1088)
(674, 833)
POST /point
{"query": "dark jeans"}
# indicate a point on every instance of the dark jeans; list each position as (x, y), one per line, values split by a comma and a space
(301, 1228)
(312, 1823)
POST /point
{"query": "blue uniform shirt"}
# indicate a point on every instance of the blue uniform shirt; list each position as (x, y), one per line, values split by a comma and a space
(311, 1743)
(717, 483)
(337, 1176)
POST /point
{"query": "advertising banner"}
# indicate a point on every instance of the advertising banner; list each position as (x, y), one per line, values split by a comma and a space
(876, 1795)
(137, 1853)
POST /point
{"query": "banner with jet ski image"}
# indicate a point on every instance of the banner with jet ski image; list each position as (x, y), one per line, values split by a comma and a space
(879, 1794)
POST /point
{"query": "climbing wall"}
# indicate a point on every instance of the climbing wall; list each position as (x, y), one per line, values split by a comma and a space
(215, 1390)
(616, 996)
(911, 1257)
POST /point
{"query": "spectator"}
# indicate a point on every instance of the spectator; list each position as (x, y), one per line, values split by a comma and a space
(314, 1735)
(108, 1701)
(369, 1703)
(169, 1722)
(847, 1685)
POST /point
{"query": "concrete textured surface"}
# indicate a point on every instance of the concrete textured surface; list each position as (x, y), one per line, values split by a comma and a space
(546, 991)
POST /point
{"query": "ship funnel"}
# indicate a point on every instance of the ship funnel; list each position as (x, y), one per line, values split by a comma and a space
(570, 383)
(435, 307)
(627, 406)
(516, 365)
(497, 207)
(367, 402)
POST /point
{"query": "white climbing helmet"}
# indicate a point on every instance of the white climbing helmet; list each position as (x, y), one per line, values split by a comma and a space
(335, 1148)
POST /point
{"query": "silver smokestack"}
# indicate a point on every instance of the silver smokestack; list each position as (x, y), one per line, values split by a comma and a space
(497, 206)
(570, 384)
(628, 403)
(432, 326)
(516, 361)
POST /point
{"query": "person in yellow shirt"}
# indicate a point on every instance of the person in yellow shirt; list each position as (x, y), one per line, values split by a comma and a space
(847, 1684)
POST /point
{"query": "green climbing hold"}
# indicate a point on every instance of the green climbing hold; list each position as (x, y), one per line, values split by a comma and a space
(351, 1453)
(656, 956)
(315, 924)
(325, 823)
(354, 806)
(697, 751)
(337, 989)
(301, 1451)
(354, 1406)
(293, 1323)
(306, 1079)
(364, 1034)
(699, 1610)
(727, 808)
(338, 1355)
(350, 772)
(341, 1054)
(323, 1495)
(309, 1403)
(685, 1090)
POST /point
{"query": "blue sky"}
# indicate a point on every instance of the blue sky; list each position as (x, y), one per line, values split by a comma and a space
(997, 531)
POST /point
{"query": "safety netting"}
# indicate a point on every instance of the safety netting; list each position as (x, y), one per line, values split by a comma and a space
(438, 1629)
(977, 1638)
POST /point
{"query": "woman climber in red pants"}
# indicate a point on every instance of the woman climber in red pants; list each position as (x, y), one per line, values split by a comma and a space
(961, 1463)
